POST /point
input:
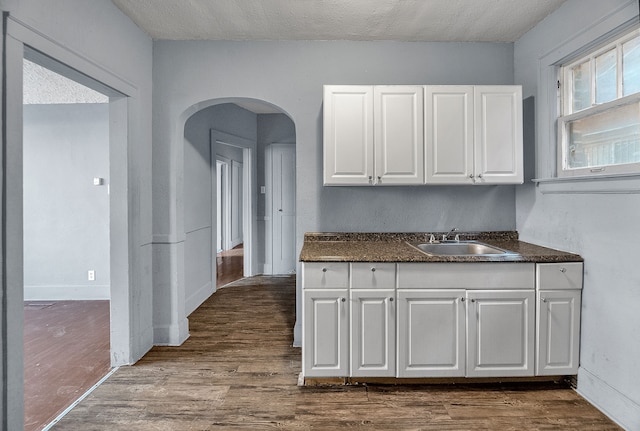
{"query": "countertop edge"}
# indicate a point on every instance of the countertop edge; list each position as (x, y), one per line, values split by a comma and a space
(395, 247)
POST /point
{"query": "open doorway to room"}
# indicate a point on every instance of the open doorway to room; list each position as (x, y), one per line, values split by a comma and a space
(230, 213)
(66, 219)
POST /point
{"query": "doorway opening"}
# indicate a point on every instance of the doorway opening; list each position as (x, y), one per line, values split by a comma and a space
(229, 216)
(66, 239)
(230, 210)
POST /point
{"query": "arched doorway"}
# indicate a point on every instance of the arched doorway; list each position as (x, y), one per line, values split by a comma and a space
(248, 128)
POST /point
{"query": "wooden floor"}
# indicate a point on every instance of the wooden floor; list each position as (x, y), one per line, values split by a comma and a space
(229, 265)
(238, 371)
(67, 347)
(66, 351)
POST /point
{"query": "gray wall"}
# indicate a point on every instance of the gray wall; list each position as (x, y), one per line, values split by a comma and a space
(66, 217)
(602, 227)
(190, 75)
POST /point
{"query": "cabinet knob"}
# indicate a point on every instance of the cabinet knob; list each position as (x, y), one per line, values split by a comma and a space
(473, 300)
(544, 299)
(373, 269)
(563, 269)
(470, 175)
(390, 299)
(343, 299)
(462, 299)
(479, 175)
(370, 179)
(324, 269)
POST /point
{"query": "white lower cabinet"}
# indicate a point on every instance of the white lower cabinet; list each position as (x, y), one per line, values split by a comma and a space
(412, 320)
(559, 291)
(326, 333)
(325, 317)
(373, 333)
(373, 319)
(558, 337)
(500, 333)
(431, 333)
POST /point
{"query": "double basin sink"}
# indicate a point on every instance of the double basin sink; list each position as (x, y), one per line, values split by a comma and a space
(461, 248)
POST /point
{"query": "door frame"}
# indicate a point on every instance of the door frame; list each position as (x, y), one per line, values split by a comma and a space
(20, 41)
(248, 208)
(224, 199)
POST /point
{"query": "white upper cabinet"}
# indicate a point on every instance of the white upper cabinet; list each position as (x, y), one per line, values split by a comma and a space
(498, 134)
(411, 134)
(473, 134)
(398, 134)
(449, 134)
(373, 135)
(348, 134)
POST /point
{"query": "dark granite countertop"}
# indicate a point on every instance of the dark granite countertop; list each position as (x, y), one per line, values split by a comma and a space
(395, 247)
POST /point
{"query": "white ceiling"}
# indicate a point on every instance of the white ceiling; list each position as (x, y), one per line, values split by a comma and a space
(43, 86)
(398, 20)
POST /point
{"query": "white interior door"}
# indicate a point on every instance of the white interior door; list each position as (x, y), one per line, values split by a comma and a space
(283, 208)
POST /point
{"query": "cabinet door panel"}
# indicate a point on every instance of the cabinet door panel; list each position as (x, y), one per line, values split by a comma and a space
(373, 333)
(399, 134)
(498, 134)
(500, 333)
(558, 332)
(449, 134)
(348, 134)
(325, 333)
(431, 333)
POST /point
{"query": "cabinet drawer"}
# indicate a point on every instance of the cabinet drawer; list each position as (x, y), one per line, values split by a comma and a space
(373, 275)
(559, 276)
(498, 275)
(331, 275)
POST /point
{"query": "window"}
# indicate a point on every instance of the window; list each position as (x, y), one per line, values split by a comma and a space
(599, 126)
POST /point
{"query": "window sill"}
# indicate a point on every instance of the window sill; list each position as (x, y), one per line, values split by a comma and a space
(596, 184)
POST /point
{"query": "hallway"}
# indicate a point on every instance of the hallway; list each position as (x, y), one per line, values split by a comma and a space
(238, 371)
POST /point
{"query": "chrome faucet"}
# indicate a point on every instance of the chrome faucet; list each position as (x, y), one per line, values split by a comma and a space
(456, 238)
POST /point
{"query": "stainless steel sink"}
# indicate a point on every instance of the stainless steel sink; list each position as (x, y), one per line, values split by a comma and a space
(461, 248)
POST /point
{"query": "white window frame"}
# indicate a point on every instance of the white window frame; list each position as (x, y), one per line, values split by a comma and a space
(565, 80)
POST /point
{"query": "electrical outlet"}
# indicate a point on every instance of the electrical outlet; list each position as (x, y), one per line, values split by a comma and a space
(91, 275)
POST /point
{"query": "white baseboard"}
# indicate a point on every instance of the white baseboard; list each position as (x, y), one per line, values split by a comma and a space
(196, 299)
(622, 410)
(67, 293)
(171, 335)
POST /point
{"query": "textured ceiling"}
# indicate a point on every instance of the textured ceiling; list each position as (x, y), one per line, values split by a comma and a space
(399, 20)
(42, 86)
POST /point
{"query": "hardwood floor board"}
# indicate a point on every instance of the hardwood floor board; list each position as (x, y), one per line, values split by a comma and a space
(238, 371)
(258, 405)
(66, 351)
